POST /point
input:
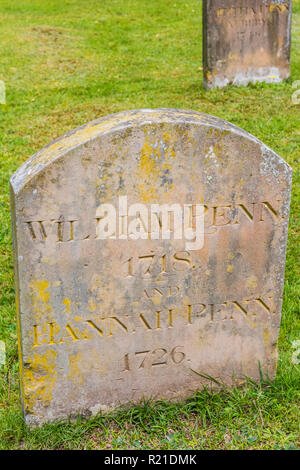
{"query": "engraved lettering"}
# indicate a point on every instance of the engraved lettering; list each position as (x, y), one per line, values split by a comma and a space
(37, 230)
(183, 259)
(93, 325)
(158, 359)
(69, 334)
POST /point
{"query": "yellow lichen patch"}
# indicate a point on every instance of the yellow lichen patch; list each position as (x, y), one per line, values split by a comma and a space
(147, 194)
(148, 171)
(188, 137)
(77, 318)
(232, 56)
(86, 334)
(67, 303)
(99, 364)
(47, 260)
(230, 255)
(218, 150)
(279, 7)
(39, 289)
(147, 163)
(39, 379)
(230, 268)
(207, 75)
(40, 297)
(96, 282)
(170, 152)
(92, 305)
(76, 369)
(156, 300)
(155, 164)
(251, 322)
(266, 338)
(251, 282)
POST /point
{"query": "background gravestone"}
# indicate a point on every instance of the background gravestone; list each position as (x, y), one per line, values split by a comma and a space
(104, 322)
(246, 41)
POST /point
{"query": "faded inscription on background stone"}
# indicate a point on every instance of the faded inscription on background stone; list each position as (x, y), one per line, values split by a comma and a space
(246, 41)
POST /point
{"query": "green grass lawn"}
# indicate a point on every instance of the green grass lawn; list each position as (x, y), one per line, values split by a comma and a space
(66, 62)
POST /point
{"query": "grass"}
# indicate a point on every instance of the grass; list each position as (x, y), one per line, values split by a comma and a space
(66, 62)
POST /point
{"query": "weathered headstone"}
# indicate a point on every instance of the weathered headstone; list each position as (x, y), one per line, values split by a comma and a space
(108, 312)
(246, 41)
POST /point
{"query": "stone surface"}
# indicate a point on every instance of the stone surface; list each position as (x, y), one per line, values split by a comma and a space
(246, 41)
(109, 321)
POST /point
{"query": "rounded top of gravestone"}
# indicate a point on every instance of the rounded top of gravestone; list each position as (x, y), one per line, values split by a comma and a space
(119, 122)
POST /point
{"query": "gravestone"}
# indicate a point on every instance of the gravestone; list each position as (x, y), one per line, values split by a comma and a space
(246, 41)
(110, 310)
